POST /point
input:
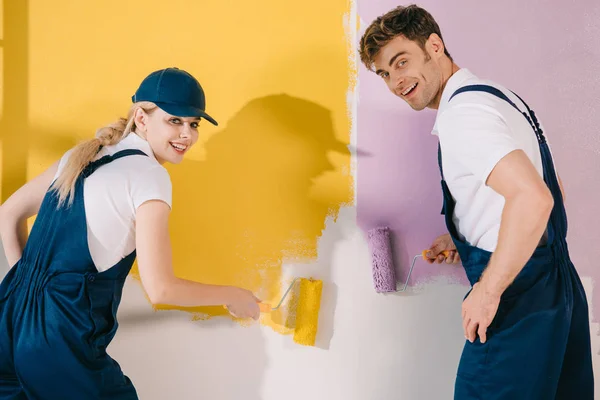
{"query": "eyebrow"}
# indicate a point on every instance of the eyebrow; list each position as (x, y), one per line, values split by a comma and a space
(400, 53)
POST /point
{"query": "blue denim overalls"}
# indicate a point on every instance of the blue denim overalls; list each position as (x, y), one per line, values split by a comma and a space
(58, 313)
(538, 345)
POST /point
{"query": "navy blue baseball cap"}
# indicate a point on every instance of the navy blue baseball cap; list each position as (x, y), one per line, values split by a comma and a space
(176, 92)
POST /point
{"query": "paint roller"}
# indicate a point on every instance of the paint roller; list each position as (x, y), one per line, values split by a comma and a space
(384, 273)
(307, 309)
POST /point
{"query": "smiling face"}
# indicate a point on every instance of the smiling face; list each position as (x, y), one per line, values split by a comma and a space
(412, 73)
(169, 136)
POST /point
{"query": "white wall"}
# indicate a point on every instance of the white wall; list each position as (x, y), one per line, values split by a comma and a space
(401, 346)
(370, 346)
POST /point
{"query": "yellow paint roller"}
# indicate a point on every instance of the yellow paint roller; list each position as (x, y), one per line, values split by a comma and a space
(307, 311)
(307, 314)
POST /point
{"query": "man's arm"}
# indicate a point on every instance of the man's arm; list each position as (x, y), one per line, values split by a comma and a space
(528, 203)
(477, 136)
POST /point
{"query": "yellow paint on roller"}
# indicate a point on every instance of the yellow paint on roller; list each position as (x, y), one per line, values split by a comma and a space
(307, 316)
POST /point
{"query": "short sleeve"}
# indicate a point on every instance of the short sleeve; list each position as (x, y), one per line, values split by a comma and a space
(152, 184)
(475, 136)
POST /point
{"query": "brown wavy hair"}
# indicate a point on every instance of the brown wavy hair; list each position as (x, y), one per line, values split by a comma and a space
(412, 22)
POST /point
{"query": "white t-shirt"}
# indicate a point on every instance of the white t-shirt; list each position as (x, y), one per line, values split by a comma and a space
(112, 195)
(476, 130)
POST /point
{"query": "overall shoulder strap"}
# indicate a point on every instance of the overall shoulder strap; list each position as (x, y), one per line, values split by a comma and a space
(94, 165)
(529, 115)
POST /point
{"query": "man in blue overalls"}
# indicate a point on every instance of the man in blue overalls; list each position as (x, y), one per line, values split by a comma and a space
(526, 316)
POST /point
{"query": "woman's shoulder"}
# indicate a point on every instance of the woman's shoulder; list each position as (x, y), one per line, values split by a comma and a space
(140, 164)
(145, 166)
(148, 180)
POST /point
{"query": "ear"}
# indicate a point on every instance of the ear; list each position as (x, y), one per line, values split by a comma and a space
(435, 44)
(141, 120)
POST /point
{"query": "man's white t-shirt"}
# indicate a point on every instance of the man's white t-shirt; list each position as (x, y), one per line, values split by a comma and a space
(476, 130)
(112, 195)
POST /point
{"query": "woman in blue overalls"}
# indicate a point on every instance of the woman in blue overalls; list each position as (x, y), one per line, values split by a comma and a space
(546, 297)
(57, 309)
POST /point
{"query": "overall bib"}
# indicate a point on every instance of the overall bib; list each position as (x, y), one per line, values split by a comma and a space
(58, 313)
(538, 345)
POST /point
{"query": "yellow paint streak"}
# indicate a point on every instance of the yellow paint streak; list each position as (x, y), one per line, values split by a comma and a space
(307, 317)
(254, 191)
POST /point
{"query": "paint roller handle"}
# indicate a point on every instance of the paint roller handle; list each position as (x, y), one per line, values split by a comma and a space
(442, 245)
(264, 307)
(446, 253)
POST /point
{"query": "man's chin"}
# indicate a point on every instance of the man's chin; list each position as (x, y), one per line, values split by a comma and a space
(416, 107)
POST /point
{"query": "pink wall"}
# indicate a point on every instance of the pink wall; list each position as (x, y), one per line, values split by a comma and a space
(547, 52)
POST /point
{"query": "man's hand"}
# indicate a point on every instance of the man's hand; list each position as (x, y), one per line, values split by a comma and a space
(442, 243)
(478, 312)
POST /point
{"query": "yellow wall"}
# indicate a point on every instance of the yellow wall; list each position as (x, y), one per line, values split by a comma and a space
(276, 75)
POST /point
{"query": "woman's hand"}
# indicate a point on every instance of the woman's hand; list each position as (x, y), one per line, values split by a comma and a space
(243, 304)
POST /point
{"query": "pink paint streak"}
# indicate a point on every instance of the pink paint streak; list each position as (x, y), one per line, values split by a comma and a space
(542, 50)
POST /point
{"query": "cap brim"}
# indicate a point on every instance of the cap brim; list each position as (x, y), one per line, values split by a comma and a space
(185, 111)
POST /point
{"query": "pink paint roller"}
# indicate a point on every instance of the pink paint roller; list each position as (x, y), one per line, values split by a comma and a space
(384, 273)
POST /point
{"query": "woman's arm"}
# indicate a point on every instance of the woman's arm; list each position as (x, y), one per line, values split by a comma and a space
(154, 257)
(15, 211)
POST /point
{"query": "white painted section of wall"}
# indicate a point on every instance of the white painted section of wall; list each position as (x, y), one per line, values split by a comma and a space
(370, 346)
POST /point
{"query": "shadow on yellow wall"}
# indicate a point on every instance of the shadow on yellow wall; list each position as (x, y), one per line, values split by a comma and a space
(269, 178)
(249, 206)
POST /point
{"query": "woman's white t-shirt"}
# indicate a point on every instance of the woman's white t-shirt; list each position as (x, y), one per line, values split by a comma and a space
(112, 195)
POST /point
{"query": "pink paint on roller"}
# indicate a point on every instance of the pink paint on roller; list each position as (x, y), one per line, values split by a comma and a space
(384, 274)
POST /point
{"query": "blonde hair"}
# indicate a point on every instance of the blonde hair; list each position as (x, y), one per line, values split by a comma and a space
(85, 152)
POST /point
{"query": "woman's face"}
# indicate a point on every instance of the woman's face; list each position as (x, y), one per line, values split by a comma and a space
(169, 136)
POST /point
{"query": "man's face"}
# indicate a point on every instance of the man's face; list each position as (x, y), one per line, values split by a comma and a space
(410, 72)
